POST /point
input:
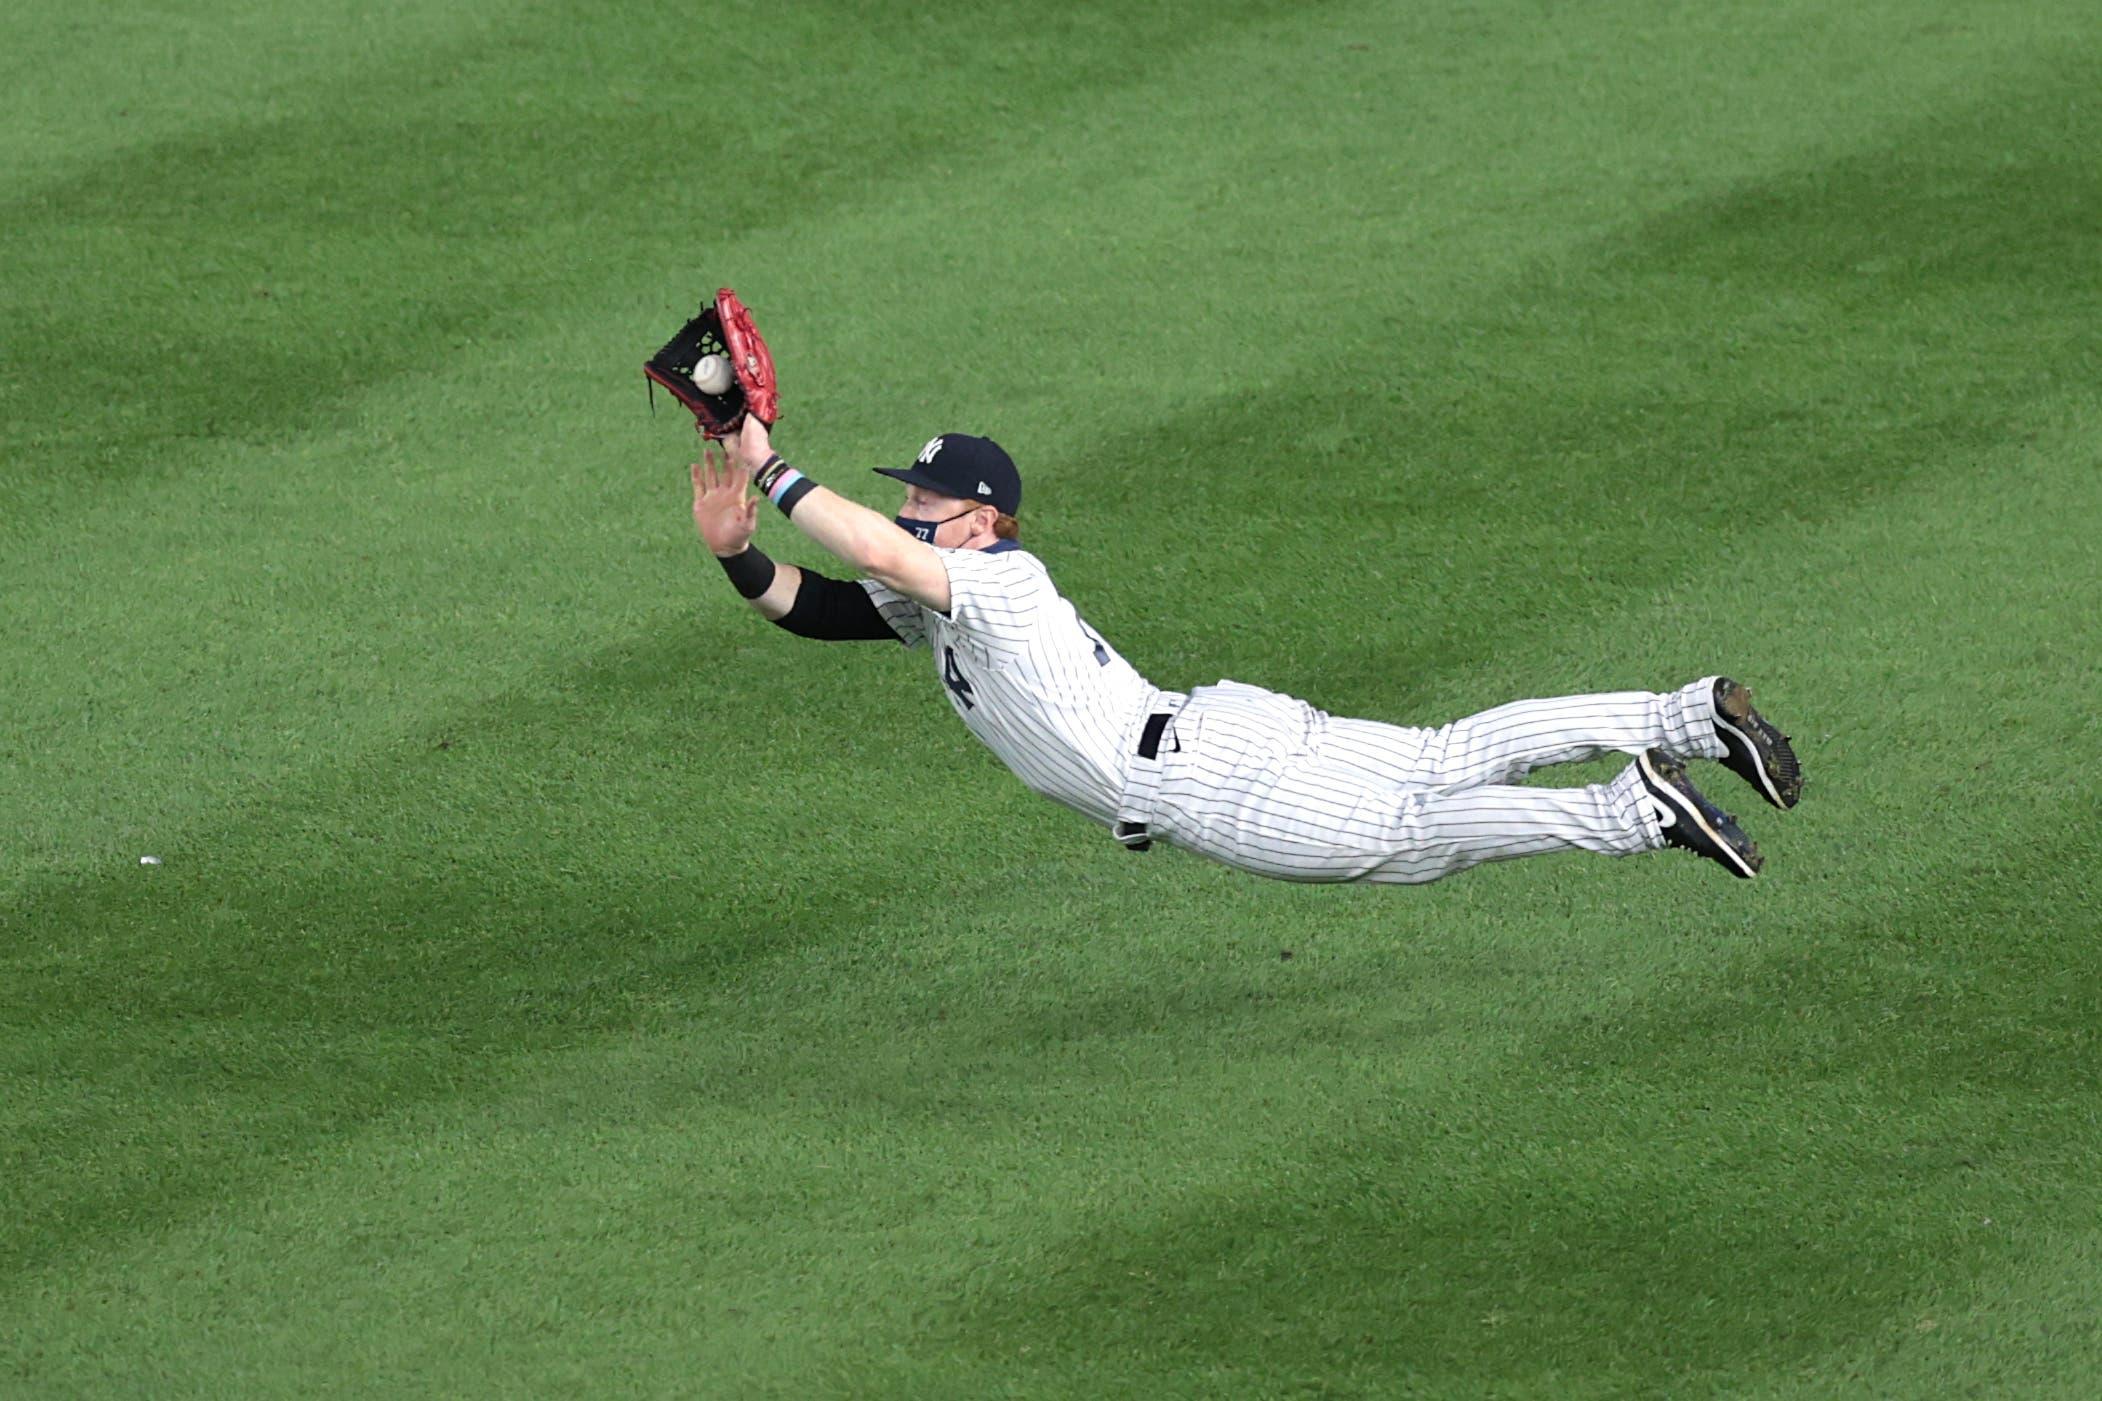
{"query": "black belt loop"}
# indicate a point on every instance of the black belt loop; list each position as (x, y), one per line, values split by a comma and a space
(1149, 738)
(1133, 834)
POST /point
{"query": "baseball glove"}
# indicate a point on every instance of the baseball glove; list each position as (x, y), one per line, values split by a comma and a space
(719, 367)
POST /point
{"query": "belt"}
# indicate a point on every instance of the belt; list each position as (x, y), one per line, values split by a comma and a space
(1143, 782)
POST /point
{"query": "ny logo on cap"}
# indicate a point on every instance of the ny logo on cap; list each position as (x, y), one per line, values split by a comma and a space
(934, 445)
(984, 490)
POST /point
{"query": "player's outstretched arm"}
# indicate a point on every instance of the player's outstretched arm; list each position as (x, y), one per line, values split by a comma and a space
(801, 601)
(852, 533)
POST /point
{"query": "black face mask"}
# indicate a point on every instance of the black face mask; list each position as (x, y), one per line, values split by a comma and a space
(924, 530)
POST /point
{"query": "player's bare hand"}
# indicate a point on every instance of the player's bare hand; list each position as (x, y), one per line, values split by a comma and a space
(724, 510)
(751, 445)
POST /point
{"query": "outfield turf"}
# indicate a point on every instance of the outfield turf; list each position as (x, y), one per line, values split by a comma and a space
(559, 982)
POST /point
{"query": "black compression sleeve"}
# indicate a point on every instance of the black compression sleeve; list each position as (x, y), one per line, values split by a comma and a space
(832, 611)
(750, 572)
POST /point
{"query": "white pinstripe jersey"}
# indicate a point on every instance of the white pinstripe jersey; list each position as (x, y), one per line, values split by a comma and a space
(1039, 686)
(1266, 782)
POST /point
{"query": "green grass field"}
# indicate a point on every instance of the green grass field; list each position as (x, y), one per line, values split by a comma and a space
(558, 982)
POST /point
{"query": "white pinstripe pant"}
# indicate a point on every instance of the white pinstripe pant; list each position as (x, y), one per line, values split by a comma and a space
(1269, 784)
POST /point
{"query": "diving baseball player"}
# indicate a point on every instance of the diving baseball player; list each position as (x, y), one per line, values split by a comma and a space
(1254, 779)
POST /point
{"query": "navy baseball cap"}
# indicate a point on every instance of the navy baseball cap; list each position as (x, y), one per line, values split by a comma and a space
(968, 468)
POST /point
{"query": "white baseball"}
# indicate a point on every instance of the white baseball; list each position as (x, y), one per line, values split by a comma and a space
(713, 374)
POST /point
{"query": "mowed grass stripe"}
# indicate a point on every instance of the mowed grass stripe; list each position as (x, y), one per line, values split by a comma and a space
(598, 698)
(395, 220)
(1596, 427)
(236, 611)
(2032, 1333)
(1091, 1024)
(1644, 557)
(426, 581)
(74, 75)
(1842, 1105)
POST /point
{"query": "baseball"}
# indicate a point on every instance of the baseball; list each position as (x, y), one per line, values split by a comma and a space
(712, 375)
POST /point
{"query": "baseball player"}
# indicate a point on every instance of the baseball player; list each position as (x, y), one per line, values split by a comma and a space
(1255, 779)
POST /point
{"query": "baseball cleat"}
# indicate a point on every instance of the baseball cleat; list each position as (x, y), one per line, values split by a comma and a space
(1691, 821)
(1759, 753)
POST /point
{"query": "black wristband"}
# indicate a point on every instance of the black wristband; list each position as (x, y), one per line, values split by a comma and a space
(751, 573)
(782, 484)
(769, 472)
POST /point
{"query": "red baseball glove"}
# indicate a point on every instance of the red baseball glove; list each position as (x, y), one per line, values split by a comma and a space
(719, 367)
